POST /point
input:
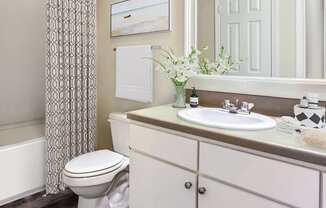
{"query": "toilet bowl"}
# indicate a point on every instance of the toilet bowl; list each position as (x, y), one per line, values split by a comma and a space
(90, 175)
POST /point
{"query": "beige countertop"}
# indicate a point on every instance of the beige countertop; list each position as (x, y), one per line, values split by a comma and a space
(270, 141)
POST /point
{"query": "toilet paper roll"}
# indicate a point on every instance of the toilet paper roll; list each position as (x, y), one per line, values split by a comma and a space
(312, 118)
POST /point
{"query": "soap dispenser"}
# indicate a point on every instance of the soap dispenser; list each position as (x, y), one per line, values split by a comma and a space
(194, 99)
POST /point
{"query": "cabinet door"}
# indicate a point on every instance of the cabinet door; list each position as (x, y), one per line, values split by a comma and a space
(213, 194)
(155, 184)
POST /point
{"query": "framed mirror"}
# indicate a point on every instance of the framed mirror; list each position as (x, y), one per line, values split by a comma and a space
(274, 41)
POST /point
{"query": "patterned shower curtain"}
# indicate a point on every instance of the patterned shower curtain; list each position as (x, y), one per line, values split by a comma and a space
(70, 85)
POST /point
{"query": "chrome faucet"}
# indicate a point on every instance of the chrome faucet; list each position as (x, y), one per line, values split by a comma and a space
(244, 108)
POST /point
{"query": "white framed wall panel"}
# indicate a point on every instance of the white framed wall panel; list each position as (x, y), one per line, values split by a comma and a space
(233, 7)
(255, 45)
(301, 39)
(254, 5)
(233, 45)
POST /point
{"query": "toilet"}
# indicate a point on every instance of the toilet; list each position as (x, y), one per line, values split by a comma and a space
(90, 175)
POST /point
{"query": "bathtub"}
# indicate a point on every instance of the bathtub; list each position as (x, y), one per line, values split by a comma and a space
(22, 161)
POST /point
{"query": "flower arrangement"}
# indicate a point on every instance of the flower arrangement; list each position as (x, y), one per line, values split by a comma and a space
(222, 65)
(180, 69)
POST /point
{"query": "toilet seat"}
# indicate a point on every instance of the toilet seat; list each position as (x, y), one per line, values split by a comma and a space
(94, 168)
(93, 173)
(94, 162)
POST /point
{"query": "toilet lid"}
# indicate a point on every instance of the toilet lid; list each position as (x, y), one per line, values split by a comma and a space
(93, 162)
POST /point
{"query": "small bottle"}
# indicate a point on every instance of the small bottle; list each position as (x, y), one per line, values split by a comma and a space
(194, 99)
(304, 103)
(313, 100)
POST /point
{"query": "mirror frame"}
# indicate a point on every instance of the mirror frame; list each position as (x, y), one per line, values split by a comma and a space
(264, 86)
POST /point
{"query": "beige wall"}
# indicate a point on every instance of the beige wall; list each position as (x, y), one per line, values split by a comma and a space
(22, 55)
(107, 102)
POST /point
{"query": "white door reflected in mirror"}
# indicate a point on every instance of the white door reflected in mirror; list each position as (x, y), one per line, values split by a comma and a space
(271, 38)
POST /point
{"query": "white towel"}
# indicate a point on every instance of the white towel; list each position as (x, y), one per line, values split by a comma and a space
(134, 73)
(118, 196)
(289, 125)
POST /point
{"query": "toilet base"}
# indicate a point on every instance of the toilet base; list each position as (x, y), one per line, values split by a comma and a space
(91, 203)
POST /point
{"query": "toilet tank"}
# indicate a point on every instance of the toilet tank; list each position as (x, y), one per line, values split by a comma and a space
(120, 132)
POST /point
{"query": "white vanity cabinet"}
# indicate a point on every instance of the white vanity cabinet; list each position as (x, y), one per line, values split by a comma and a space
(167, 170)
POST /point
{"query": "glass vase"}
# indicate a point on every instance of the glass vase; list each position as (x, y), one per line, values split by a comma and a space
(180, 98)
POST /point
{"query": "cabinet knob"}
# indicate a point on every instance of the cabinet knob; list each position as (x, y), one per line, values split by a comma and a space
(202, 190)
(188, 185)
(127, 16)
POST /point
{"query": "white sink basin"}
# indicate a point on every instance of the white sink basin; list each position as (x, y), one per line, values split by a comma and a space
(219, 118)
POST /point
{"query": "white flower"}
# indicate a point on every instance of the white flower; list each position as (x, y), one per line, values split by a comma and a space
(179, 69)
(222, 65)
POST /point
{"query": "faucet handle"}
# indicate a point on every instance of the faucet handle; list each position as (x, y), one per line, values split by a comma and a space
(251, 106)
(237, 102)
(247, 107)
(226, 104)
(244, 106)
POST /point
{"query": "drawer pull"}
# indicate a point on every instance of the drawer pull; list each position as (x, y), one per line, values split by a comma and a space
(202, 190)
(188, 185)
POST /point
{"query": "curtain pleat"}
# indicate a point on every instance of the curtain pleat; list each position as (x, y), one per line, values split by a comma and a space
(70, 85)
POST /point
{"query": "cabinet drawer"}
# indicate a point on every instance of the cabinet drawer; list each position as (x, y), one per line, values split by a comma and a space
(290, 184)
(169, 147)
